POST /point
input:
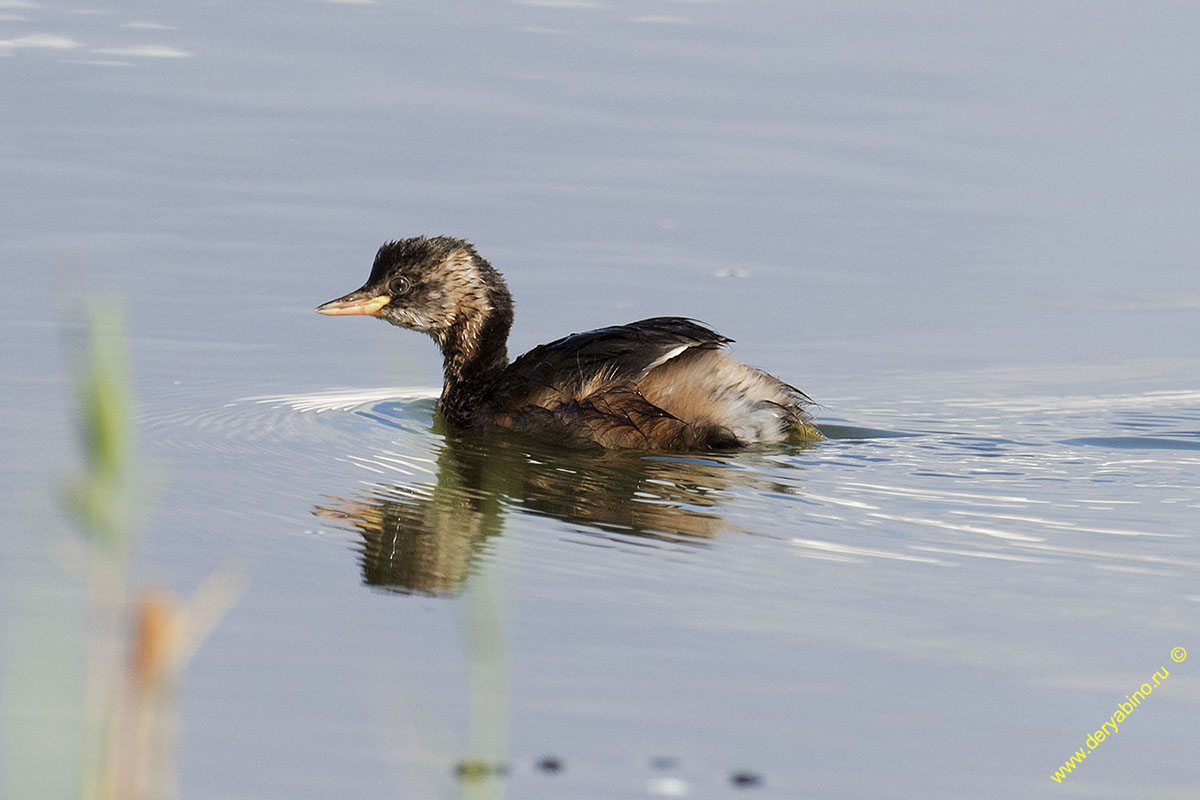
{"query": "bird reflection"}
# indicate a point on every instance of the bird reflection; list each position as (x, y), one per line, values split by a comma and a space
(423, 539)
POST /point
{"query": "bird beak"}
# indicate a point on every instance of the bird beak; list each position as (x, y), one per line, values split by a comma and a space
(362, 301)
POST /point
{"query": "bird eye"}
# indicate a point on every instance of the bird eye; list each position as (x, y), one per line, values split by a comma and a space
(399, 285)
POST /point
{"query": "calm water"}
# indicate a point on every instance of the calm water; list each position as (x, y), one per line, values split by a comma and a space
(968, 232)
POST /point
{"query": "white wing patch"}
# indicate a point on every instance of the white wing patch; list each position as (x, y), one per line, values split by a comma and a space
(666, 357)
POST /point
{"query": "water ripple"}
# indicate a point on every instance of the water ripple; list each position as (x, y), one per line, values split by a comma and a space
(1018, 482)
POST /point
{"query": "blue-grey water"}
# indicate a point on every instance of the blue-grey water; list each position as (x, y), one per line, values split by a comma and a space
(967, 230)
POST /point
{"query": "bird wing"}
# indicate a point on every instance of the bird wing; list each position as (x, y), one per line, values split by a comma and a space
(571, 367)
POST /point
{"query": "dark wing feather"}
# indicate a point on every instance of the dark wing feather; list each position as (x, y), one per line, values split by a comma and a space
(619, 353)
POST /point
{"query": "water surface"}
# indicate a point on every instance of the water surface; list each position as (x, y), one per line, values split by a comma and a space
(968, 232)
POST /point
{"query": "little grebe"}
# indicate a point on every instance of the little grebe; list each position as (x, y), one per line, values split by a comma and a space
(663, 383)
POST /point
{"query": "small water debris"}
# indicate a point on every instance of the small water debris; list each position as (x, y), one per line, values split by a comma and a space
(475, 770)
(550, 764)
(744, 779)
(668, 787)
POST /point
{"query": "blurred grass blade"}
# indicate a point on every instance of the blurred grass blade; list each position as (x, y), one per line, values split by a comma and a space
(100, 500)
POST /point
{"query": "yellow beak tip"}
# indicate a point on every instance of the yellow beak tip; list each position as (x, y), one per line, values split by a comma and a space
(346, 306)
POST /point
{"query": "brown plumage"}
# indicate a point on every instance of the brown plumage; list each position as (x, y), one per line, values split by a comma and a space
(664, 383)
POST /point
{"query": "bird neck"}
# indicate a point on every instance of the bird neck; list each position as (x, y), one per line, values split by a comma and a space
(474, 353)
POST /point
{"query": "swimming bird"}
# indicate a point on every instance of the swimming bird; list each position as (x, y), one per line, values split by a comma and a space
(664, 383)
